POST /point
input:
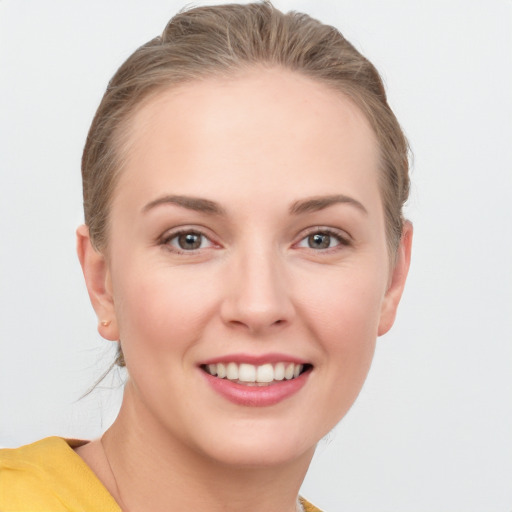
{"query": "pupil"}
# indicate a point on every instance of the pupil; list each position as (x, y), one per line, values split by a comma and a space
(189, 241)
(319, 241)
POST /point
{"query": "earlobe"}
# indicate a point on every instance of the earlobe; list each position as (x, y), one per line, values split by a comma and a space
(97, 279)
(397, 281)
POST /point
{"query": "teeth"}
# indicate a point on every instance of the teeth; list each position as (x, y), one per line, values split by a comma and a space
(249, 373)
(221, 370)
(279, 371)
(232, 371)
(265, 373)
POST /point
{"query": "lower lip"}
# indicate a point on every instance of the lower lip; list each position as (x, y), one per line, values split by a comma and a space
(256, 396)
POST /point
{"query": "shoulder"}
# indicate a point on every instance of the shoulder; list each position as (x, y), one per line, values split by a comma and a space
(308, 507)
(49, 475)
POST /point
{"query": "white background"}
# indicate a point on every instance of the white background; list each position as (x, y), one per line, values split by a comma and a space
(432, 429)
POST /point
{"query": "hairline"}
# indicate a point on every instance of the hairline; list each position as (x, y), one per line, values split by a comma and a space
(122, 143)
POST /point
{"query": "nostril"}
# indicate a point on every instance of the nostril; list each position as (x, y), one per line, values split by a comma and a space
(237, 323)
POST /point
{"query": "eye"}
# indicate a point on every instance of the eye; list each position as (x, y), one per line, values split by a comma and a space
(323, 239)
(187, 241)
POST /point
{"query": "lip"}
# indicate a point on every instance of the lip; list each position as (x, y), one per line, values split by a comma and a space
(256, 360)
(256, 396)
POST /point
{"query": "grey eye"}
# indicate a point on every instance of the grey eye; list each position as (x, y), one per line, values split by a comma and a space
(189, 241)
(319, 241)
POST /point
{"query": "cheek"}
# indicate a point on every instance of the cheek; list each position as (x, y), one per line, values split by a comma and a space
(343, 306)
(159, 310)
(344, 321)
(348, 334)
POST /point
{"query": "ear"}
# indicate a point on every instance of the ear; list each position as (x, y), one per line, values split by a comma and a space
(98, 282)
(397, 281)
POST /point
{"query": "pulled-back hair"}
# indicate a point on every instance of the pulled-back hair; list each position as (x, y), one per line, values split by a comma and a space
(221, 41)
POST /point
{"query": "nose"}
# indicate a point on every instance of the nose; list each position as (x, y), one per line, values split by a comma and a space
(257, 297)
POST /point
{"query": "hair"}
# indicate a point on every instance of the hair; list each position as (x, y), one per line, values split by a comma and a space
(224, 40)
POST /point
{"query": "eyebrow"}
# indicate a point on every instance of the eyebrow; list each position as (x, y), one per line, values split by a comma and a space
(197, 204)
(314, 204)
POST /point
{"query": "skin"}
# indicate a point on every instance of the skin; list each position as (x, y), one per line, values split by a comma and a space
(258, 146)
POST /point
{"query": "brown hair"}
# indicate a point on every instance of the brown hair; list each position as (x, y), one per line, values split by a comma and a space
(208, 41)
(222, 40)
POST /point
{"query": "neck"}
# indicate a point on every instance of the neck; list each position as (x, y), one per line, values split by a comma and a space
(154, 471)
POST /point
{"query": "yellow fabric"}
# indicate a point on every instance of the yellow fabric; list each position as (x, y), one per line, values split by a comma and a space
(308, 507)
(48, 476)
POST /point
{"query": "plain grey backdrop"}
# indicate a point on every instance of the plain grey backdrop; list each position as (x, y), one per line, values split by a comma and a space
(432, 428)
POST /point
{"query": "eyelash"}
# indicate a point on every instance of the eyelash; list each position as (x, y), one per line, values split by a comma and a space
(342, 241)
(167, 239)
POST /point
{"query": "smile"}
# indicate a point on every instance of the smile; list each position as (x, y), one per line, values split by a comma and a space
(257, 375)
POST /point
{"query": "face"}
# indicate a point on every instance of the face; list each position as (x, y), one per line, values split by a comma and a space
(247, 272)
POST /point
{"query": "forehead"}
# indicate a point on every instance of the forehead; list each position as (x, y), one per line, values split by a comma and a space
(262, 128)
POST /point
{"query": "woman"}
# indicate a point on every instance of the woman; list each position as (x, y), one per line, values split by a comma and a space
(244, 242)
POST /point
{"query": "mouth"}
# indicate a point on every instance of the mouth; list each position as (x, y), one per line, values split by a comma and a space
(256, 375)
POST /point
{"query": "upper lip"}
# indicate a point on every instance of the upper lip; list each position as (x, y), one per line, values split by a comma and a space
(255, 359)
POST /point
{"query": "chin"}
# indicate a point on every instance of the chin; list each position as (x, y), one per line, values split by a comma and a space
(259, 443)
(260, 453)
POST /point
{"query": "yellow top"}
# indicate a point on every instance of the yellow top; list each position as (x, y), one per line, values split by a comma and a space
(48, 476)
